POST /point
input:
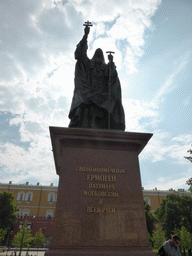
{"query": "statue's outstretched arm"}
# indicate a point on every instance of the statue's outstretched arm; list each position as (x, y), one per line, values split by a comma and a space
(81, 50)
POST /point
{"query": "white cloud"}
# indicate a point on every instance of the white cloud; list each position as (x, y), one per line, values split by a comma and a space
(164, 146)
(168, 86)
(136, 111)
(29, 40)
(20, 164)
(175, 182)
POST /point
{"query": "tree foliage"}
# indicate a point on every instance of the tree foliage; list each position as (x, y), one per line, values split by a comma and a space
(150, 219)
(3, 233)
(189, 181)
(189, 157)
(186, 239)
(39, 238)
(158, 237)
(174, 212)
(7, 211)
(23, 238)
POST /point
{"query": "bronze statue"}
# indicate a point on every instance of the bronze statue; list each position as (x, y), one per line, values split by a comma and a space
(96, 101)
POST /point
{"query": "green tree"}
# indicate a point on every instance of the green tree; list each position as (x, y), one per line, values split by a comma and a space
(189, 181)
(38, 239)
(3, 233)
(8, 214)
(186, 239)
(158, 237)
(189, 157)
(150, 219)
(23, 238)
(174, 212)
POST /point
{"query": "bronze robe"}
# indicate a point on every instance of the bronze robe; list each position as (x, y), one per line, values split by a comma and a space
(91, 105)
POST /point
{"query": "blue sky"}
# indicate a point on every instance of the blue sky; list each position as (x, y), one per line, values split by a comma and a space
(152, 41)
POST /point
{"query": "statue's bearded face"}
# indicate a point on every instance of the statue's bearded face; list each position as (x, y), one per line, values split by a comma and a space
(99, 53)
(98, 56)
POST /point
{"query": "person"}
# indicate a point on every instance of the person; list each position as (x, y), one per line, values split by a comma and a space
(92, 106)
(171, 247)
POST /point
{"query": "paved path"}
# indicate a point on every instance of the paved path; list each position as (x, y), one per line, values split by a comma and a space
(23, 253)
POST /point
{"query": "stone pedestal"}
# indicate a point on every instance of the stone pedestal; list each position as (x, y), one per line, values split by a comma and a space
(100, 209)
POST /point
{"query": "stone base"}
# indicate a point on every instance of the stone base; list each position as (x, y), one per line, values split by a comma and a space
(100, 208)
(101, 251)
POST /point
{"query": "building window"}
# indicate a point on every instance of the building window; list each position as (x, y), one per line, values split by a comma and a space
(18, 213)
(20, 196)
(147, 200)
(51, 197)
(25, 212)
(29, 196)
(49, 213)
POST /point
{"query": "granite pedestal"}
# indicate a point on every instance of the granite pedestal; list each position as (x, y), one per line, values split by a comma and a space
(100, 209)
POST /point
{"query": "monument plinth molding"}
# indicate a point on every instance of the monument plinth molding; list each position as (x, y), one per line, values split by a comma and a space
(100, 209)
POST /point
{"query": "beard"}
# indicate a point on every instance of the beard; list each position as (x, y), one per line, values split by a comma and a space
(98, 60)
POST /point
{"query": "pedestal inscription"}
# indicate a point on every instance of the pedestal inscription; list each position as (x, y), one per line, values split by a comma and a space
(100, 208)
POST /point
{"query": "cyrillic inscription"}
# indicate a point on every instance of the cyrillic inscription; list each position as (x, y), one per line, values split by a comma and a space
(99, 170)
(101, 209)
(99, 180)
(101, 186)
(101, 193)
(106, 178)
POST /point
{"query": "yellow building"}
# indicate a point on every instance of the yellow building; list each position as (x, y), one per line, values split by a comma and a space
(38, 200)
(154, 197)
(33, 200)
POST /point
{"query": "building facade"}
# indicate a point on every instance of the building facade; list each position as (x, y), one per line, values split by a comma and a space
(154, 197)
(33, 200)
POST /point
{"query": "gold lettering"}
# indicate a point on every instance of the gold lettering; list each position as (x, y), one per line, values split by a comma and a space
(97, 209)
(101, 193)
(108, 210)
(85, 193)
(102, 178)
(101, 186)
(100, 201)
(89, 209)
(99, 170)
(81, 169)
(94, 209)
(111, 210)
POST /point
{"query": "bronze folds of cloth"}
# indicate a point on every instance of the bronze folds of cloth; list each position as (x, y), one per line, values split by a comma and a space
(97, 100)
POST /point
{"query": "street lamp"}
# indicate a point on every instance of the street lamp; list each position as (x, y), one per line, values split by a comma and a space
(29, 224)
(20, 225)
(8, 236)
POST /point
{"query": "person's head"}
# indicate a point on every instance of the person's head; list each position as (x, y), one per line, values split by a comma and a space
(175, 240)
(98, 56)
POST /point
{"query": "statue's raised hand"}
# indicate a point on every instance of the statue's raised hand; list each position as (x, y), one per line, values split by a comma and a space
(110, 58)
(86, 30)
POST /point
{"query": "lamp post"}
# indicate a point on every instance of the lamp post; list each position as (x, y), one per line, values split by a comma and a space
(8, 236)
(21, 244)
